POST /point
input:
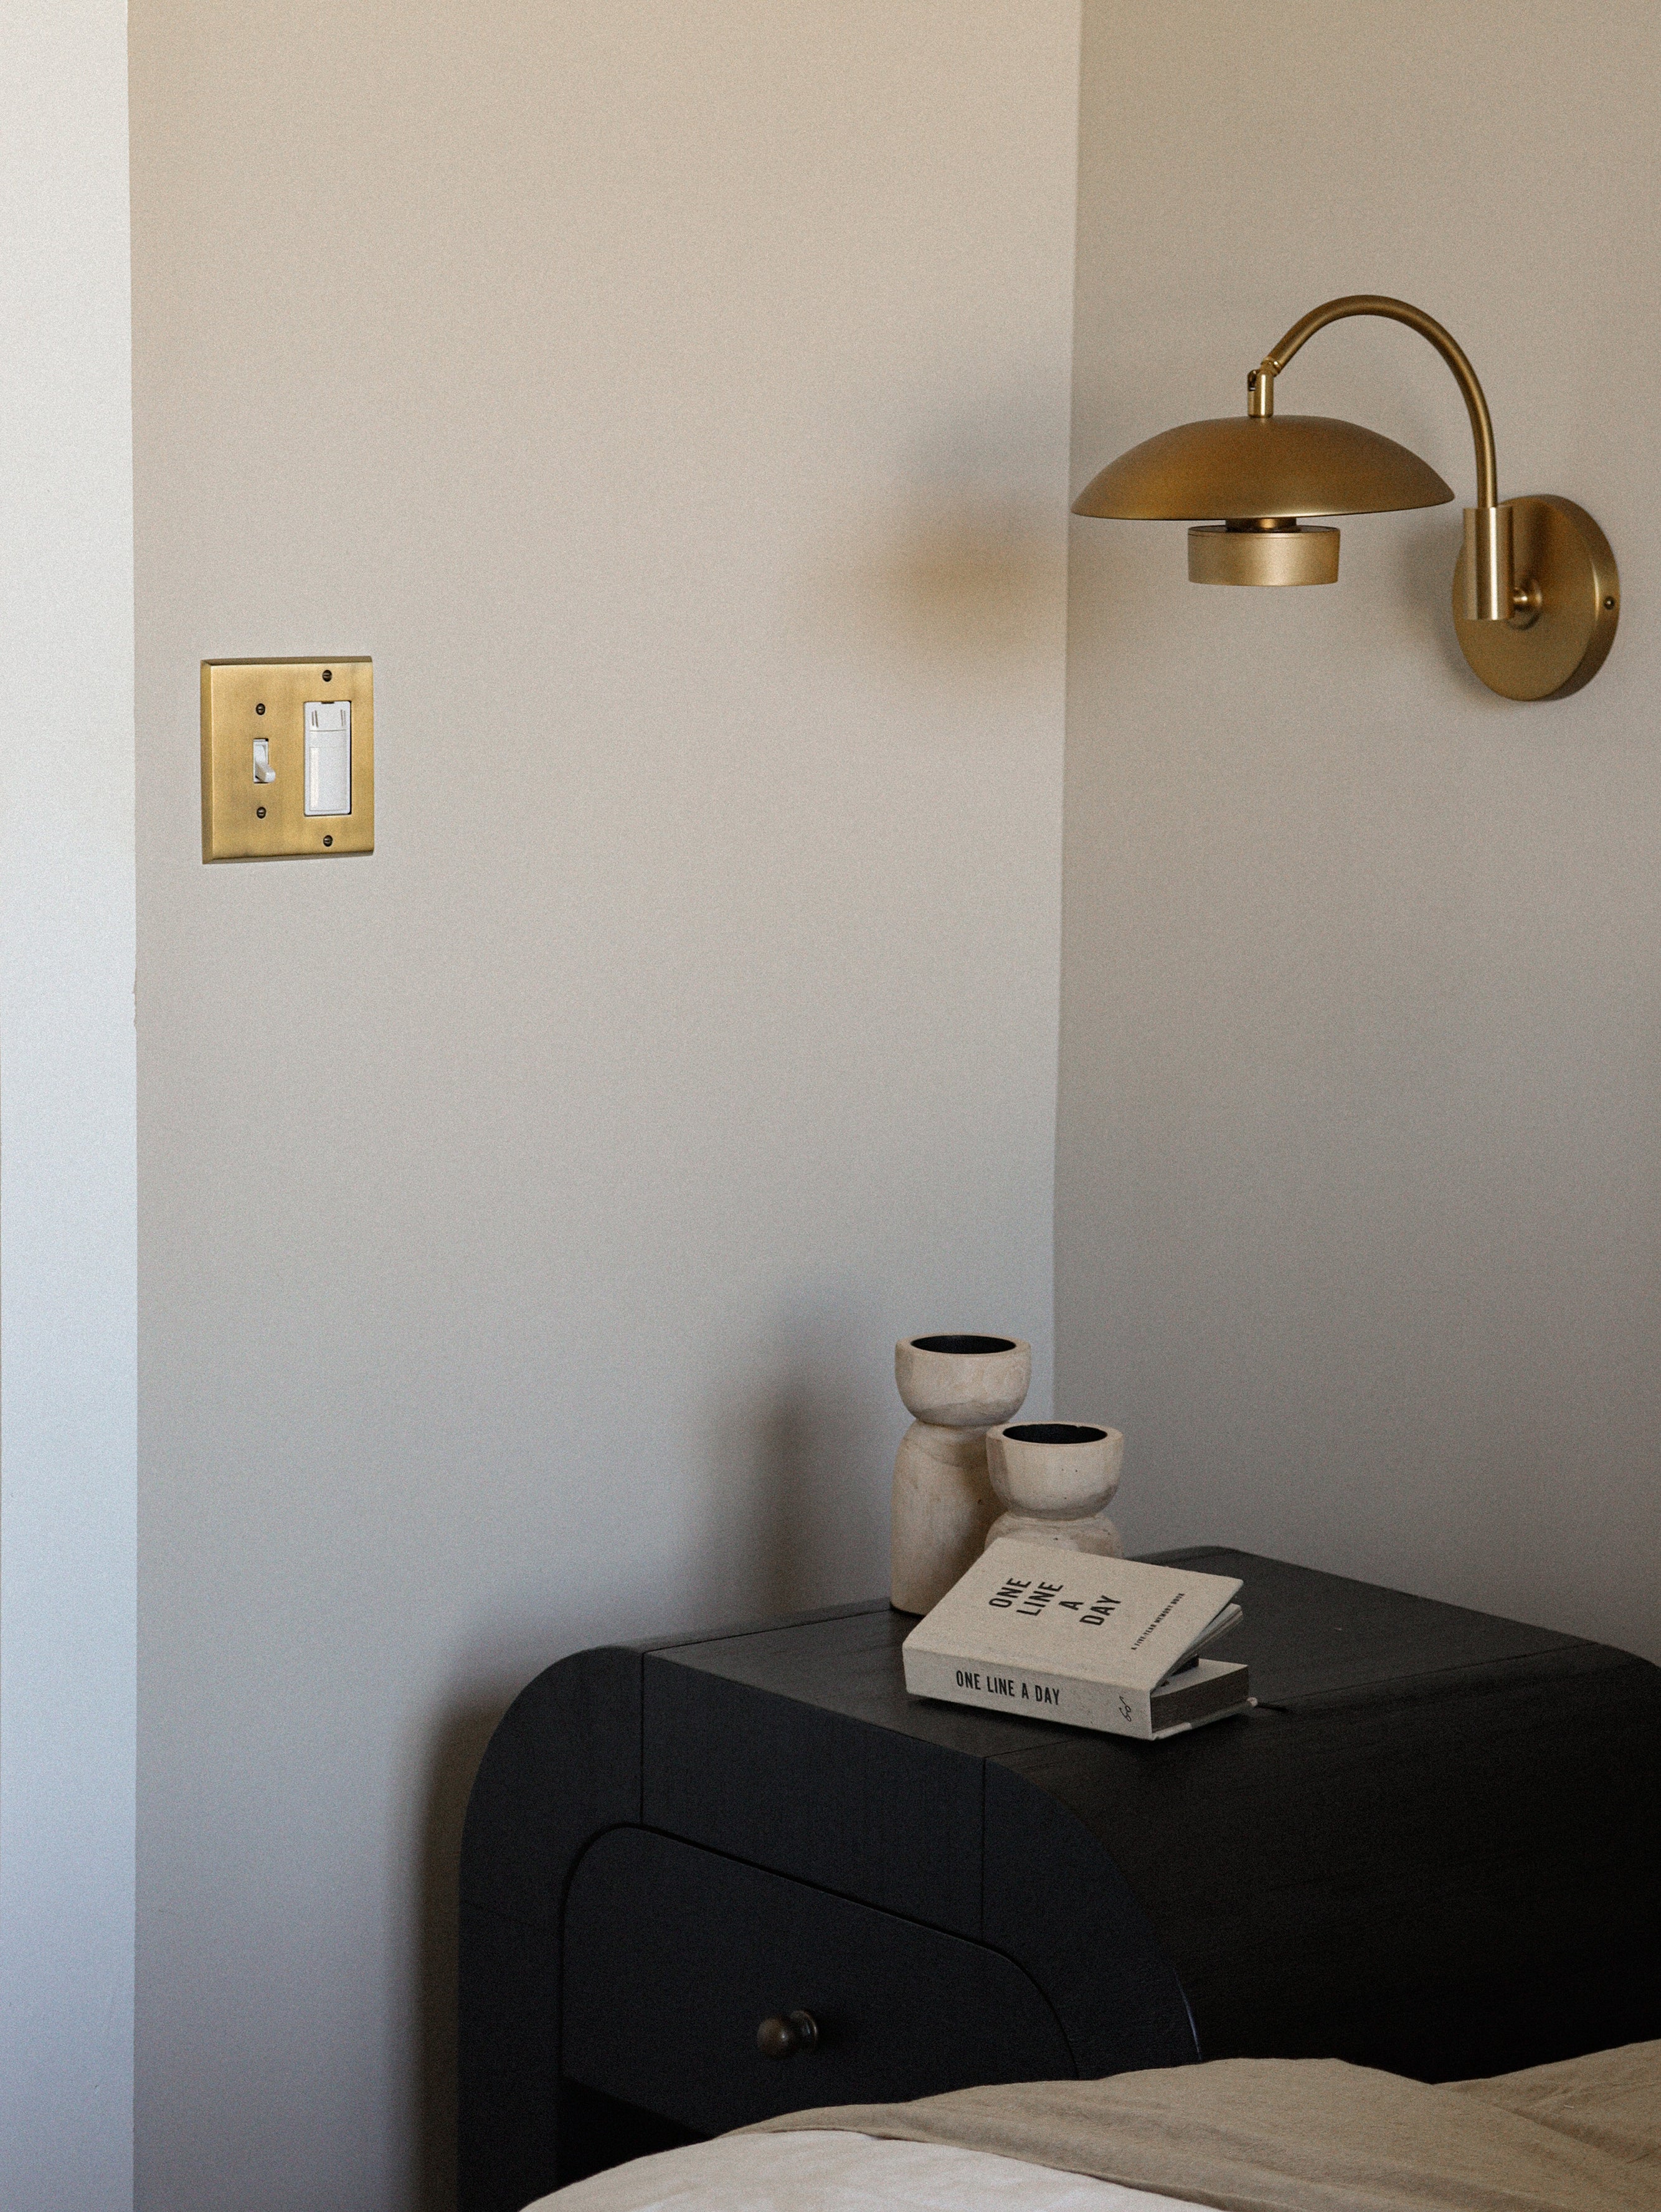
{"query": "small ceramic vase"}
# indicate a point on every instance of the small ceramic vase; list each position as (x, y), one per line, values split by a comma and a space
(956, 1386)
(1054, 1479)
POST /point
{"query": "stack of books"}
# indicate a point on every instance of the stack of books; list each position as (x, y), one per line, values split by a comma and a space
(1058, 1635)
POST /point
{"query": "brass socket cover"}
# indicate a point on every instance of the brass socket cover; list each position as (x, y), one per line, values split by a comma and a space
(1218, 555)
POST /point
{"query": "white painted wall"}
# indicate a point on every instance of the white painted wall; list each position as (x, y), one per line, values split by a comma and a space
(675, 403)
(67, 1198)
(1358, 1198)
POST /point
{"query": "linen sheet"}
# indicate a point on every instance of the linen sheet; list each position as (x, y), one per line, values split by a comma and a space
(811, 2172)
(1316, 2135)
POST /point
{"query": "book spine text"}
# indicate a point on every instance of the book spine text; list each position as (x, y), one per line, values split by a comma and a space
(1002, 1688)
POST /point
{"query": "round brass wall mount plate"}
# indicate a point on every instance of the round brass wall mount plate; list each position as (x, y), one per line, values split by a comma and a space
(1569, 602)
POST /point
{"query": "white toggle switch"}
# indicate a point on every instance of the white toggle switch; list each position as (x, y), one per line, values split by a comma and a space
(328, 757)
(263, 770)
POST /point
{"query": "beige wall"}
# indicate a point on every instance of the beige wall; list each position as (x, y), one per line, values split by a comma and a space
(1358, 1190)
(675, 401)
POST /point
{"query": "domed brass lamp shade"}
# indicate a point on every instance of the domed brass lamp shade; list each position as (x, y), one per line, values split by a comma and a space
(1241, 467)
(1537, 596)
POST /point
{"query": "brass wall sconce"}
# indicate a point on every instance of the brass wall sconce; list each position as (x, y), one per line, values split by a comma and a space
(1537, 595)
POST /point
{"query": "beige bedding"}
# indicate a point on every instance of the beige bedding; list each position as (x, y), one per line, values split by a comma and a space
(1315, 2135)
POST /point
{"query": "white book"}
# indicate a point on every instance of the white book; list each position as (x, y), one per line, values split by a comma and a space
(1054, 1634)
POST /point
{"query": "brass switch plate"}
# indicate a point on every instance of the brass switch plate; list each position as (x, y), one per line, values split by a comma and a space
(245, 701)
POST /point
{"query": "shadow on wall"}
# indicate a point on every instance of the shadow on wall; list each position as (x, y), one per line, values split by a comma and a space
(798, 1518)
(458, 1747)
(962, 575)
(970, 583)
(797, 1509)
(1427, 554)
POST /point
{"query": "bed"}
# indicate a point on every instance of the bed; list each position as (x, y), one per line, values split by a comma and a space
(1241, 2134)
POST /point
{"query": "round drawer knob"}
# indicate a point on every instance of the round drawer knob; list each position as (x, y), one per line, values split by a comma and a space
(787, 2034)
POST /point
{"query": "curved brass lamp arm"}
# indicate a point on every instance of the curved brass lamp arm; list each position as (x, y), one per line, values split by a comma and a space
(1261, 383)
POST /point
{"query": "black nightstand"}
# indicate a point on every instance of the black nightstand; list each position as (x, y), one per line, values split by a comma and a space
(1431, 1848)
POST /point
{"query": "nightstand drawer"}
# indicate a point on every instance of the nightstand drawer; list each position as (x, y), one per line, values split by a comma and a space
(674, 1955)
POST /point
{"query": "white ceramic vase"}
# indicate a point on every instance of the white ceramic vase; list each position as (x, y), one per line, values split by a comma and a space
(956, 1387)
(1054, 1481)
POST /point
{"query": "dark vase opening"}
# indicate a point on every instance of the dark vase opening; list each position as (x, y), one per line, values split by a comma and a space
(962, 1344)
(1055, 1432)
